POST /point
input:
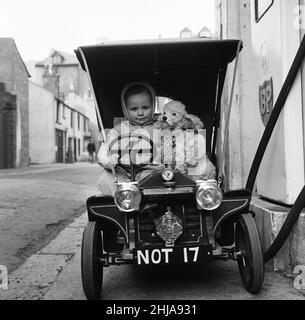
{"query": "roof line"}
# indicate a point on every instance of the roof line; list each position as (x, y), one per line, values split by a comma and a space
(156, 42)
(26, 69)
(59, 100)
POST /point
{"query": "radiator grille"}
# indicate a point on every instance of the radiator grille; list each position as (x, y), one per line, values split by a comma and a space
(193, 220)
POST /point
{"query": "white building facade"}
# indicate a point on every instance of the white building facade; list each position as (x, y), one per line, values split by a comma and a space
(71, 132)
(58, 132)
(271, 32)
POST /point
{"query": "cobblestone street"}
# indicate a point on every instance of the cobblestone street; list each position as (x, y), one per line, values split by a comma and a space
(37, 202)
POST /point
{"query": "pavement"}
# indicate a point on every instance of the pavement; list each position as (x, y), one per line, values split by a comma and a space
(269, 219)
(40, 277)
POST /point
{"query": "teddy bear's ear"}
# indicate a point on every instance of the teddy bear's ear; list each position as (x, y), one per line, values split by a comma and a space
(188, 116)
(181, 108)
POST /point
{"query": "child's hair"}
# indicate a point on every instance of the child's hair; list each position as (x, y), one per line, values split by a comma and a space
(136, 89)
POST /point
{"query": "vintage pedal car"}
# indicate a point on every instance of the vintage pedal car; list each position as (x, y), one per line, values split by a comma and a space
(167, 217)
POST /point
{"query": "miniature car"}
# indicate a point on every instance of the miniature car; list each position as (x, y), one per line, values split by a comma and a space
(167, 217)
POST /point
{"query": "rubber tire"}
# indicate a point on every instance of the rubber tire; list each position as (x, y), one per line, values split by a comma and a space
(247, 239)
(91, 265)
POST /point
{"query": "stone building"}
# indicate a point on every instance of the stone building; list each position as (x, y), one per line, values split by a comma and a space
(85, 106)
(61, 74)
(59, 71)
(14, 113)
(186, 33)
(71, 132)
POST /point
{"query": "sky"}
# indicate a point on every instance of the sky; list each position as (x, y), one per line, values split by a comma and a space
(39, 25)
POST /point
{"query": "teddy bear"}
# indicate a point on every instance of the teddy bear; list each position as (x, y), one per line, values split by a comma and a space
(175, 116)
(184, 149)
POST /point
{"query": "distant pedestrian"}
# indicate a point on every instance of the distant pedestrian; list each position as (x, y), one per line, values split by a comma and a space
(91, 150)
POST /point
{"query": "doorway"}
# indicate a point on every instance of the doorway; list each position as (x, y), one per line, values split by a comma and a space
(75, 149)
(7, 137)
(59, 136)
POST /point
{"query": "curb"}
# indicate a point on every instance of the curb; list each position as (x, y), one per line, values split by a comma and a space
(33, 279)
(269, 219)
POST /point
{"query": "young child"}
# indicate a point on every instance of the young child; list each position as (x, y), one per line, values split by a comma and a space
(138, 104)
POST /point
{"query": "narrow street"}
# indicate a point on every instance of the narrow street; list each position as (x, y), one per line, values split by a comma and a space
(37, 202)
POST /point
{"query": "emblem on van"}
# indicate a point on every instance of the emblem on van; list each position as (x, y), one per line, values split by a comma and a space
(266, 100)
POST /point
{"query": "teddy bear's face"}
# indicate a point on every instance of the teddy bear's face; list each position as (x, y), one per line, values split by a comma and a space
(172, 117)
(173, 112)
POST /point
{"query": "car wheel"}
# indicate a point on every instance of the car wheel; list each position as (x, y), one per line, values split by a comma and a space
(91, 264)
(249, 253)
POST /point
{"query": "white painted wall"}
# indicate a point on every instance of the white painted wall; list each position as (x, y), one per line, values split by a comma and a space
(269, 48)
(41, 124)
(245, 125)
(86, 107)
(282, 172)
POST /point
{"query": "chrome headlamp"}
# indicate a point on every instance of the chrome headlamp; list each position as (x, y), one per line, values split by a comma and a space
(208, 195)
(127, 197)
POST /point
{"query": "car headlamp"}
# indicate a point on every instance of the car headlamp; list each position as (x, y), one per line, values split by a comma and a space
(127, 197)
(208, 195)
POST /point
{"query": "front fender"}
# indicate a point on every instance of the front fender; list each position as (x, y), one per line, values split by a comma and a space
(234, 203)
(105, 212)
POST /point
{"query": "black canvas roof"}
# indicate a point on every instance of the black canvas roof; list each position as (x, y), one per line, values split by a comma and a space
(183, 69)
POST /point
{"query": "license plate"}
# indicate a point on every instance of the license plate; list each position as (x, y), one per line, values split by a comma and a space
(175, 255)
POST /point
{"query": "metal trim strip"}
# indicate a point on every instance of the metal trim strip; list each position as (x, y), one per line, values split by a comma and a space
(111, 219)
(245, 202)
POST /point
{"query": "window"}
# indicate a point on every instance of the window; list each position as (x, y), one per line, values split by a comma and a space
(57, 59)
(57, 111)
(72, 122)
(86, 126)
(78, 146)
(261, 7)
(78, 121)
(64, 111)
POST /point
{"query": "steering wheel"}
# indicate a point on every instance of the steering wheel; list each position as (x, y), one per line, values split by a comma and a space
(130, 147)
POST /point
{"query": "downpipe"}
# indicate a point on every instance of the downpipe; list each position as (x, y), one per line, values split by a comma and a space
(299, 204)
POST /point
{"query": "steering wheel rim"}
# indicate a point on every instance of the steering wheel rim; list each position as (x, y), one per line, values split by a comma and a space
(133, 152)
